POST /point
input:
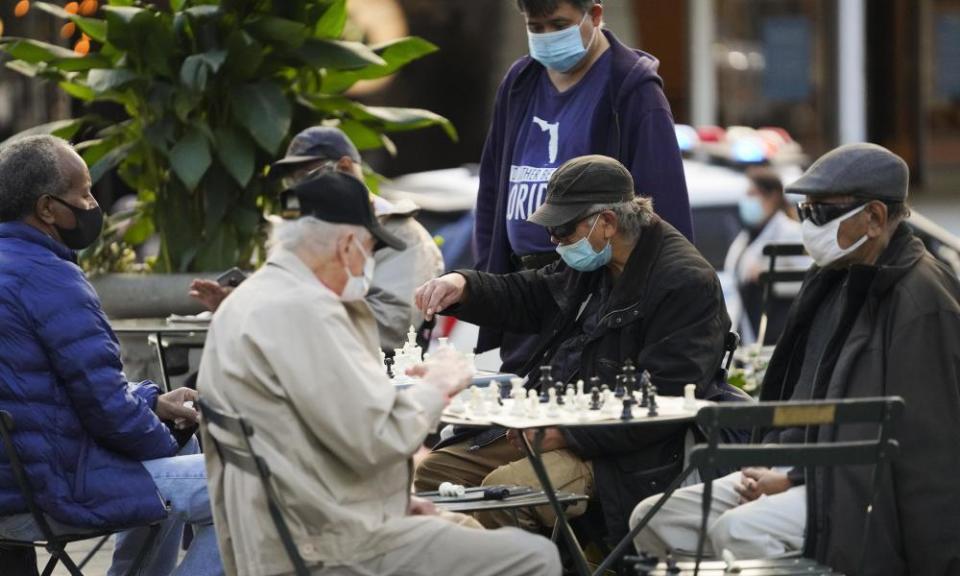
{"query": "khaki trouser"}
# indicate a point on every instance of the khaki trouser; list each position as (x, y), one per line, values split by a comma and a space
(501, 463)
(767, 527)
(458, 550)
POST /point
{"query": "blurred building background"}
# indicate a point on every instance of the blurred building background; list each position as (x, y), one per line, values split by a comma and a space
(828, 71)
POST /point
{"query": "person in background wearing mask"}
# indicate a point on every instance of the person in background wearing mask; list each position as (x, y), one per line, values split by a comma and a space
(398, 272)
(767, 219)
(580, 91)
(294, 351)
(629, 286)
(877, 316)
(95, 447)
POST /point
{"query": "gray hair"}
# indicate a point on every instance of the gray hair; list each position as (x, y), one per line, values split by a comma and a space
(30, 168)
(632, 215)
(312, 235)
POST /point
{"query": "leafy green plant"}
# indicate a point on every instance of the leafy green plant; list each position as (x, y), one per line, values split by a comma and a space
(208, 94)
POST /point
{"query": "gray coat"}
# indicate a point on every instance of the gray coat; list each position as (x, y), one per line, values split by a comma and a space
(899, 335)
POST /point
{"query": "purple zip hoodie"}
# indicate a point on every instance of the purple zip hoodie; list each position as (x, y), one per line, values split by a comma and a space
(633, 124)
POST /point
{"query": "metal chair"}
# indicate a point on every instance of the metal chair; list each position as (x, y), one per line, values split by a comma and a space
(708, 457)
(246, 460)
(773, 276)
(54, 543)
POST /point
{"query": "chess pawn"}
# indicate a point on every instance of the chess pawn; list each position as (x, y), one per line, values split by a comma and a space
(533, 404)
(570, 399)
(594, 398)
(558, 392)
(627, 413)
(652, 402)
(545, 381)
(477, 404)
(518, 408)
(456, 404)
(690, 397)
(553, 407)
(620, 391)
(579, 387)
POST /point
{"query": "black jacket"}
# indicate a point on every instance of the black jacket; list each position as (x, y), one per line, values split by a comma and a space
(665, 312)
(899, 334)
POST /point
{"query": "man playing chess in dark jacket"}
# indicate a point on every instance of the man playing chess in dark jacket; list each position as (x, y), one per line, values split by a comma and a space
(628, 287)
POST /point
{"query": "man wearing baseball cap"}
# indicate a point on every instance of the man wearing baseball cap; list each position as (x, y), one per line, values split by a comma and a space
(877, 315)
(294, 351)
(399, 272)
(628, 287)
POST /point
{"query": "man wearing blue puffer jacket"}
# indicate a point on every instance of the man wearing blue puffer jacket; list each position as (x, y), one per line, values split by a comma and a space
(95, 448)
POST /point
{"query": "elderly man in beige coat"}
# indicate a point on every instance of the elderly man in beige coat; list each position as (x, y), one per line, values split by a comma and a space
(294, 350)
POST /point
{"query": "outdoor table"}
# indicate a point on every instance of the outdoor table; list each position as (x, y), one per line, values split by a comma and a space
(160, 330)
(671, 411)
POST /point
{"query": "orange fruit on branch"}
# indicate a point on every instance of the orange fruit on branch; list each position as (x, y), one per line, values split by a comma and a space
(21, 9)
(89, 7)
(68, 30)
(71, 8)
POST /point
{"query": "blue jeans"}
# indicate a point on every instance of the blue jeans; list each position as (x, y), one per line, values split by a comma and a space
(182, 483)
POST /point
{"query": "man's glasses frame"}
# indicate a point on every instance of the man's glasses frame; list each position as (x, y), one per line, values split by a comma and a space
(566, 230)
(821, 213)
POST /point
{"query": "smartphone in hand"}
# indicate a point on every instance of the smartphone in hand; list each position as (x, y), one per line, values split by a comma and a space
(231, 278)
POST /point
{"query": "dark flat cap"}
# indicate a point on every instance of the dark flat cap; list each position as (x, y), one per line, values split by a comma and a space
(580, 183)
(861, 170)
(318, 143)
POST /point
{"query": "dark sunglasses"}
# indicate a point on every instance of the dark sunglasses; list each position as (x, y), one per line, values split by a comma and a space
(564, 230)
(820, 213)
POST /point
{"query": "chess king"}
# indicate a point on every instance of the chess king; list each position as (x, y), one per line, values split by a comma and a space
(628, 287)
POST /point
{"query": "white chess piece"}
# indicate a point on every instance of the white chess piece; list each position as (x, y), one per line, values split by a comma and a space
(553, 409)
(478, 405)
(411, 349)
(456, 404)
(518, 408)
(533, 404)
(690, 397)
(443, 343)
(451, 490)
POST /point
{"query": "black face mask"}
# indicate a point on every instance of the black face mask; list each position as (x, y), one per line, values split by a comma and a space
(89, 225)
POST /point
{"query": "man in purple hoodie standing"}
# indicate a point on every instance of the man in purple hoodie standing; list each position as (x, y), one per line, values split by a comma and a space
(579, 92)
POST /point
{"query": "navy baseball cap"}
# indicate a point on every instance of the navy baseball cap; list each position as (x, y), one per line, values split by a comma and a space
(319, 143)
(337, 198)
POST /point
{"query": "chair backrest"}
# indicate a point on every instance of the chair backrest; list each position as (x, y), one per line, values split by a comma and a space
(773, 276)
(7, 426)
(245, 458)
(877, 452)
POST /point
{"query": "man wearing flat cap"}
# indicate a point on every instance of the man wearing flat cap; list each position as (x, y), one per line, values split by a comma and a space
(628, 287)
(877, 315)
(399, 272)
(294, 351)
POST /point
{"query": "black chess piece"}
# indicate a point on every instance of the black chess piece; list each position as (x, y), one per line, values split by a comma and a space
(506, 389)
(629, 375)
(644, 389)
(620, 390)
(545, 382)
(559, 388)
(594, 398)
(652, 407)
(627, 409)
(389, 362)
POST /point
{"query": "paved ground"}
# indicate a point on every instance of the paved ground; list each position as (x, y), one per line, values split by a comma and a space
(98, 564)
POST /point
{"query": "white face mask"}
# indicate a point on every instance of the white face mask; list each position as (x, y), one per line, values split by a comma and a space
(821, 241)
(358, 286)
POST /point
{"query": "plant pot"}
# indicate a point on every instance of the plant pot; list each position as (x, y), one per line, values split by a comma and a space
(146, 295)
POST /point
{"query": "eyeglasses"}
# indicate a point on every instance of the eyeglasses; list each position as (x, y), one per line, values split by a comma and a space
(564, 230)
(820, 213)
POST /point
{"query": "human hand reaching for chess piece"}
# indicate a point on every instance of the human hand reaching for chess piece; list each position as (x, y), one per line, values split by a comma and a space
(553, 439)
(439, 294)
(755, 482)
(447, 370)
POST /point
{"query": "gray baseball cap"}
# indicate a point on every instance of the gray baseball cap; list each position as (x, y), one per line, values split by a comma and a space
(319, 143)
(861, 170)
(579, 184)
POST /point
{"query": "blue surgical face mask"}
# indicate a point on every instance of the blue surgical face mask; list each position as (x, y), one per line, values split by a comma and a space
(751, 212)
(582, 257)
(561, 50)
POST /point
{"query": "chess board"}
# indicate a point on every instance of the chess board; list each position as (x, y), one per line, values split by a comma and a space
(502, 413)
